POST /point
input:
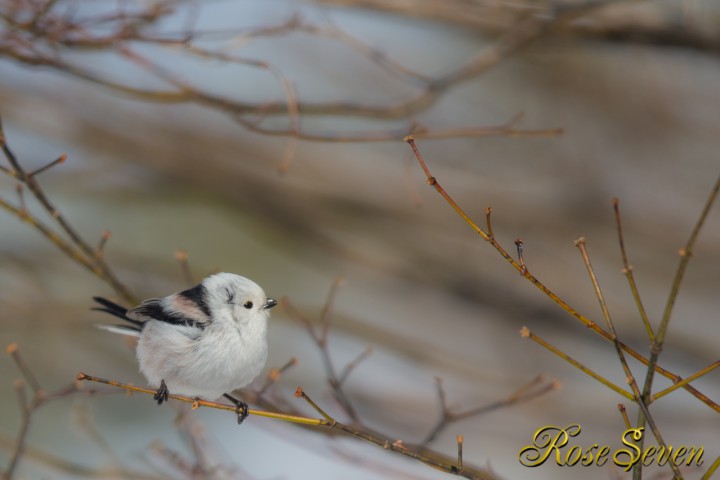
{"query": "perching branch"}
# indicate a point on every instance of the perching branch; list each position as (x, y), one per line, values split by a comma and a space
(197, 403)
(428, 457)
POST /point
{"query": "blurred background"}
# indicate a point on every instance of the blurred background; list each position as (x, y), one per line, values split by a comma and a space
(241, 163)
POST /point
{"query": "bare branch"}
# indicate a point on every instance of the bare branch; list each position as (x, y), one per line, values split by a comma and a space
(14, 353)
(321, 340)
(48, 36)
(75, 246)
(432, 181)
(531, 390)
(275, 374)
(630, 378)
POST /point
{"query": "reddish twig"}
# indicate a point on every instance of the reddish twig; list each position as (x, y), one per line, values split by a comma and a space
(533, 389)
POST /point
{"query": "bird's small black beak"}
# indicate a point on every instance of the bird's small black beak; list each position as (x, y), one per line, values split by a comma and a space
(271, 302)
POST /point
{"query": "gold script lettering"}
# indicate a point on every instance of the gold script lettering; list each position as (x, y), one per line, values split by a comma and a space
(624, 457)
(547, 440)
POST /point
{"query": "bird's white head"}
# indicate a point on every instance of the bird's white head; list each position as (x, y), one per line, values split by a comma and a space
(234, 297)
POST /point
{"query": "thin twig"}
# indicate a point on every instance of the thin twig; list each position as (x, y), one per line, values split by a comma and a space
(321, 340)
(100, 249)
(57, 161)
(460, 452)
(27, 409)
(20, 190)
(523, 268)
(353, 364)
(19, 387)
(325, 314)
(300, 393)
(274, 375)
(710, 471)
(182, 257)
(86, 423)
(488, 225)
(623, 412)
(526, 333)
(14, 353)
(513, 399)
(192, 433)
(685, 381)
(685, 254)
(628, 271)
(531, 390)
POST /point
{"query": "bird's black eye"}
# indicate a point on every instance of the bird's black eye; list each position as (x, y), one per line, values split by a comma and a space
(248, 304)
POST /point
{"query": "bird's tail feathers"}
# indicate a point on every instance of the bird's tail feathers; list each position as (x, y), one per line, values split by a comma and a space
(116, 311)
(121, 329)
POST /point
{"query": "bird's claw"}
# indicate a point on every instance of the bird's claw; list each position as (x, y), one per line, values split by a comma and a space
(162, 393)
(241, 409)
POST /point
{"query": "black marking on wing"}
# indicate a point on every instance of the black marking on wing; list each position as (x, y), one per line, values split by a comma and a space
(117, 311)
(198, 294)
(153, 309)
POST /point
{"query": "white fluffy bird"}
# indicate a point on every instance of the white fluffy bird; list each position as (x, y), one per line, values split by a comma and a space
(202, 342)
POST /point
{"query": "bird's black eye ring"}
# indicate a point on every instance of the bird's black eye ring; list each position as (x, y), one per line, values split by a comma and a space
(248, 304)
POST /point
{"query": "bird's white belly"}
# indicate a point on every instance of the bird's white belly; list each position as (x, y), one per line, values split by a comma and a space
(216, 362)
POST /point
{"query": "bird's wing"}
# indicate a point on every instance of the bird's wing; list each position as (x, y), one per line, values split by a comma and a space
(158, 309)
(150, 309)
